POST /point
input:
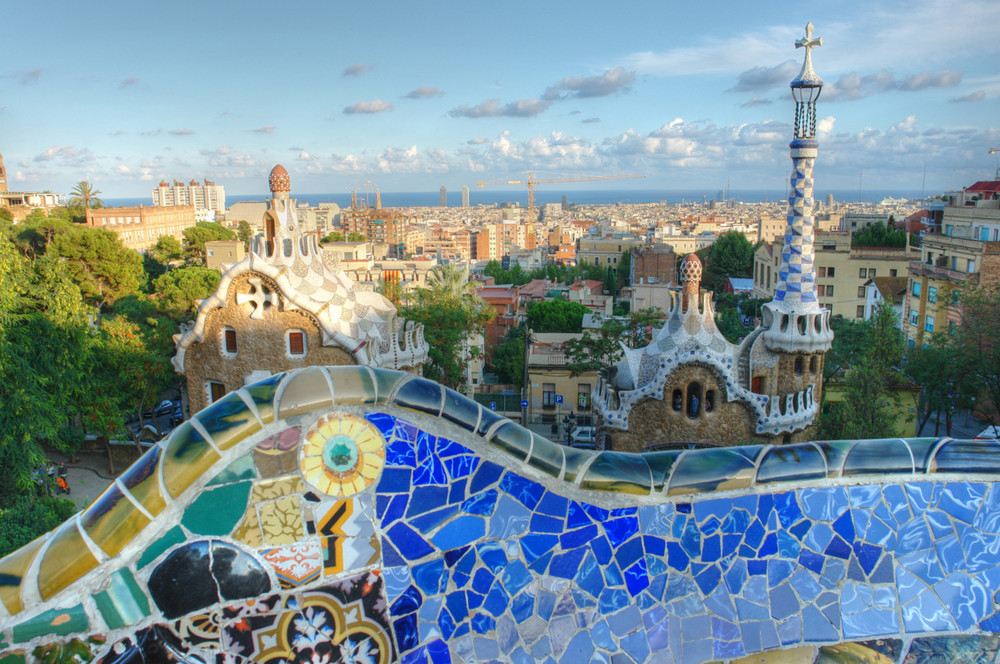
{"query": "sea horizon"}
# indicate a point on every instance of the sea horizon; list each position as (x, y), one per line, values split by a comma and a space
(579, 197)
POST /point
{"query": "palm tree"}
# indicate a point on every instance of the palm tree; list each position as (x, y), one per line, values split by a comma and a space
(449, 281)
(84, 195)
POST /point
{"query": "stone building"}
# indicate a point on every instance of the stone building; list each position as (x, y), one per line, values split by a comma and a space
(139, 227)
(288, 305)
(692, 385)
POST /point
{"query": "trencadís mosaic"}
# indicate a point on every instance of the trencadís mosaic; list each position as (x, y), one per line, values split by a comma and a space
(357, 515)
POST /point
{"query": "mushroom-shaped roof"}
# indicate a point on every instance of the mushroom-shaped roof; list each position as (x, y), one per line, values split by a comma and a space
(279, 179)
(690, 269)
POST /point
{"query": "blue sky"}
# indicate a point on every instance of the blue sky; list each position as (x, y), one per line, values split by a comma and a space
(413, 96)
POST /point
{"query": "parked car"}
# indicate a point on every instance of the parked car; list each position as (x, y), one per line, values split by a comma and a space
(165, 408)
(989, 433)
(583, 435)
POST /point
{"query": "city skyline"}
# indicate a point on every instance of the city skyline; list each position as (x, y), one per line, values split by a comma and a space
(125, 95)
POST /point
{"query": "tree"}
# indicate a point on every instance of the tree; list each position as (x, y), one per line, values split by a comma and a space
(180, 289)
(84, 195)
(196, 236)
(978, 336)
(731, 255)
(946, 378)
(556, 316)
(244, 233)
(449, 281)
(870, 407)
(879, 235)
(602, 348)
(100, 264)
(508, 358)
(848, 342)
(355, 237)
(333, 237)
(624, 271)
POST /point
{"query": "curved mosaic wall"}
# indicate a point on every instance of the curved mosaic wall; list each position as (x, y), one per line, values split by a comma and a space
(357, 515)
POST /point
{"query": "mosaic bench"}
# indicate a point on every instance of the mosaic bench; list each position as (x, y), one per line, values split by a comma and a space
(368, 516)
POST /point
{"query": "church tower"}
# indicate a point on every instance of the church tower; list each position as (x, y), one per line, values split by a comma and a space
(3, 177)
(795, 324)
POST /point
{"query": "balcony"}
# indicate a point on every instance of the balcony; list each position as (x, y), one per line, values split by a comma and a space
(933, 271)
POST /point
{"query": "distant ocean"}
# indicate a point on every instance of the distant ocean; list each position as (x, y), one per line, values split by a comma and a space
(579, 196)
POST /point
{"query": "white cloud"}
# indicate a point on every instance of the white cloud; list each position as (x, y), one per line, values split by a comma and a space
(375, 106)
(522, 108)
(424, 92)
(608, 83)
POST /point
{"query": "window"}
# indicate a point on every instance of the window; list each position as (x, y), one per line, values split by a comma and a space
(582, 395)
(813, 364)
(916, 289)
(216, 390)
(972, 265)
(677, 400)
(548, 395)
(822, 272)
(932, 294)
(831, 271)
(798, 365)
(229, 340)
(928, 324)
(863, 273)
(860, 312)
(821, 290)
(893, 272)
(709, 401)
(694, 399)
(871, 273)
(861, 291)
(296, 343)
(829, 291)
(913, 318)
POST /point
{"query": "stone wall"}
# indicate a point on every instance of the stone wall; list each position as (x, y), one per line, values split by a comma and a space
(261, 344)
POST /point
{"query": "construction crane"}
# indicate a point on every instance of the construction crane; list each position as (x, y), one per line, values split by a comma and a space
(531, 182)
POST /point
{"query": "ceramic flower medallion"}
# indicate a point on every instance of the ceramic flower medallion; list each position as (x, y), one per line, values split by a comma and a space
(342, 454)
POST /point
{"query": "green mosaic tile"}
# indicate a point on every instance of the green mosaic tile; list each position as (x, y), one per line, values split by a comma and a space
(386, 381)
(13, 657)
(877, 457)
(12, 570)
(352, 386)
(792, 462)
(660, 464)
(719, 469)
(66, 559)
(53, 621)
(546, 456)
(216, 511)
(305, 390)
(421, 395)
(173, 536)
(262, 395)
(186, 458)
(618, 472)
(575, 461)
(461, 410)
(112, 521)
(143, 483)
(123, 603)
(513, 439)
(241, 469)
(228, 421)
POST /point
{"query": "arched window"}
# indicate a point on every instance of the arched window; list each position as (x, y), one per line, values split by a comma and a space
(709, 401)
(677, 401)
(693, 399)
(813, 363)
(798, 365)
(801, 324)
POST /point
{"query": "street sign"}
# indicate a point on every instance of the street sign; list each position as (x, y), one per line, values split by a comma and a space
(559, 398)
(524, 403)
(493, 405)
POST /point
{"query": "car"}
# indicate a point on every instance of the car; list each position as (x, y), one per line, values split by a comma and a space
(583, 435)
(989, 433)
(164, 408)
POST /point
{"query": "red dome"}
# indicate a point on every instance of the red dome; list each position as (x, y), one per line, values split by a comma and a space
(279, 179)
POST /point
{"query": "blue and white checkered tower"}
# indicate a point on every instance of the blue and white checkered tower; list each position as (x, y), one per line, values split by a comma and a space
(794, 320)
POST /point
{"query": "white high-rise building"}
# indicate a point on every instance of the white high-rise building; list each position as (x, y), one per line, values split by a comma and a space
(208, 199)
(465, 196)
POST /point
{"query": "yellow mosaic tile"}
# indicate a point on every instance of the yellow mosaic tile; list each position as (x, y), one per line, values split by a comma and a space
(112, 521)
(186, 458)
(143, 483)
(281, 520)
(66, 560)
(275, 488)
(12, 570)
(306, 391)
(228, 421)
(342, 454)
(247, 530)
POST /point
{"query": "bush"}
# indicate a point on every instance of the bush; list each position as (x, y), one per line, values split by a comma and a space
(25, 518)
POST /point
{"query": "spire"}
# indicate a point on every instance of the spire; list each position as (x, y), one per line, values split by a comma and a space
(794, 319)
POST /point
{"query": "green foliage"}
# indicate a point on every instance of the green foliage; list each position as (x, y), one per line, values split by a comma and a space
(563, 274)
(103, 268)
(180, 289)
(946, 376)
(879, 235)
(167, 249)
(602, 348)
(508, 358)
(735, 314)
(36, 232)
(978, 337)
(335, 236)
(556, 316)
(870, 407)
(731, 255)
(84, 195)
(196, 236)
(244, 233)
(848, 342)
(355, 237)
(23, 518)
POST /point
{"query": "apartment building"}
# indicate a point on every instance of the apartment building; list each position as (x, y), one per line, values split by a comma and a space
(553, 391)
(204, 197)
(497, 240)
(140, 227)
(841, 270)
(604, 251)
(379, 226)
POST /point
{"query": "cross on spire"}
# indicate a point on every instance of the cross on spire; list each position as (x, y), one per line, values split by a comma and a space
(807, 76)
(809, 43)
